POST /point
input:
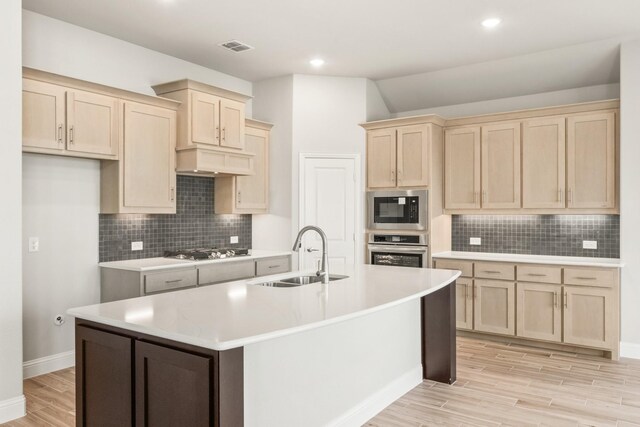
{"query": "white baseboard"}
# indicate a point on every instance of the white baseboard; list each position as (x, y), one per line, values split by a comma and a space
(630, 350)
(380, 400)
(13, 408)
(44, 365)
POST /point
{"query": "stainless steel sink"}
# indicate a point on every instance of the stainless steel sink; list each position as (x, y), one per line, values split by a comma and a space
(291, 282)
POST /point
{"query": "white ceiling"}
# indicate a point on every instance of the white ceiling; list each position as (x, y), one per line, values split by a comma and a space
(438, 47)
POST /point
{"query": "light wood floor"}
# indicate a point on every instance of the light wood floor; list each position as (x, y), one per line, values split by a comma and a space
(498, 384)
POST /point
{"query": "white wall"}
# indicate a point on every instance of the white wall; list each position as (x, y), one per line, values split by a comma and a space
(629, 199)
(341, 374)
(11, 398)
(274, 103)
(62, 48)
(376, 107)
(539, 100)
(52, 282)
(61, 200)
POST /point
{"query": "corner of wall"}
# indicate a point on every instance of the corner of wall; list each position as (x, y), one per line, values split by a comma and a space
(377, 107)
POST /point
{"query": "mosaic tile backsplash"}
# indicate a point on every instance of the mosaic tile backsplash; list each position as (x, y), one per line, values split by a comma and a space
(194, 225)
(560, 235)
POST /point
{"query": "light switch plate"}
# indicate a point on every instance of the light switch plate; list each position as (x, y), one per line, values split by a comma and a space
(589, 244)
(475, 241)
(34, 244)
(137, 246)
(233, 239)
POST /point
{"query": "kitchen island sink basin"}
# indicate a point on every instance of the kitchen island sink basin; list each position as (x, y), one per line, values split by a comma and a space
(291, 282)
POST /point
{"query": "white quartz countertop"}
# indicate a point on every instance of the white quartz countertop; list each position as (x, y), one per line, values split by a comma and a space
(236, 314)
(532, 259)
(159, 263)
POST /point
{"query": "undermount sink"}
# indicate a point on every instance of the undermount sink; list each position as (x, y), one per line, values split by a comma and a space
(294, 281)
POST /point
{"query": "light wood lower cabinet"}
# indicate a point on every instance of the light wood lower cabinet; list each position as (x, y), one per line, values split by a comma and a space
(494, 306)
(590, 317)
(464, 303)
(539, 311)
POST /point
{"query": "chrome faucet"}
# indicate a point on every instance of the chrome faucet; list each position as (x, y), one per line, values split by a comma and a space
(324, 269)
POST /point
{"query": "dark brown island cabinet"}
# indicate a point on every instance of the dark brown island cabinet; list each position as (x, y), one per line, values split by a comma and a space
(125, 378)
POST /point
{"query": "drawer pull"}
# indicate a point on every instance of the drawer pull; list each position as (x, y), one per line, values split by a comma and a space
(585, 278)
(536, 275)
(173, 281)
(492, 272)
(566, 303)
(555, 299)
(274, 266)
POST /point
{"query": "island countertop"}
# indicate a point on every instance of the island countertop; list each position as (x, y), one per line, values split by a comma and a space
(235, 314)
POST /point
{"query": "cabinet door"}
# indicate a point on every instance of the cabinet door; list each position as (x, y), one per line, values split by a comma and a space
(413, 156)
(205, 118)
(104, 378)
(381, 158)
(232, 124)
(501, 166)
(464, 303)
(252, 191)
(494, 307)
(149, 159)
(539, 311)
(462, 168)
(92, 122)
(591, 161)
(543, 163)
(43, 116)
(173, 388)
(589, 317)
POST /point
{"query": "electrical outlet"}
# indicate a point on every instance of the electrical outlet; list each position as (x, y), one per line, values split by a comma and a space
(233, 239)
(589, 244)
(475, 241)
(34, 244)
(136, 246)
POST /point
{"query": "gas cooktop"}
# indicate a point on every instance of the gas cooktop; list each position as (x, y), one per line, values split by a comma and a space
(202, 254)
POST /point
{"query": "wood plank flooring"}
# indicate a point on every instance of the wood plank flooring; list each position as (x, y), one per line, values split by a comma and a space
(498, 385)
(512, 385)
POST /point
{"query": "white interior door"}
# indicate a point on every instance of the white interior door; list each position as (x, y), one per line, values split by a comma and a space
(329, 200)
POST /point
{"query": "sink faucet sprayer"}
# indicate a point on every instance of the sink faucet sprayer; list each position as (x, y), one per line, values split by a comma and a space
(324, 269)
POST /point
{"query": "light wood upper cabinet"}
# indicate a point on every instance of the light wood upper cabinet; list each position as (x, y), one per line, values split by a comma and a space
(205, 118)
(92, 122)
(248, 194)
(494, 306)
(501, 166)
(413, 156)
(144, 181)
(591, 161)
(543, 163)
(381, 158)
(539, 311)
(590, 316)
(232, 116)
(462, 168)
(43, 115)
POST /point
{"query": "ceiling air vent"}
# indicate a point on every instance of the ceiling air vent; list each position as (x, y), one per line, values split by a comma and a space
(236, 46)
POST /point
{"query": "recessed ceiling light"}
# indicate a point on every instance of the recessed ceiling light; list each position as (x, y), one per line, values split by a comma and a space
(491, 22)
(317, 62)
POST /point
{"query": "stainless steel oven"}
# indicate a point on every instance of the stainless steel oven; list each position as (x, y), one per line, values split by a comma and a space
(404, 250)
(397, 210)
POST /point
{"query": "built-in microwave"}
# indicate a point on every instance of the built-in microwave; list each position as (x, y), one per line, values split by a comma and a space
(397, 210)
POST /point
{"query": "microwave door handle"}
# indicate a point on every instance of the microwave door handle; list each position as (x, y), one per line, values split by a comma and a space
(397, 249)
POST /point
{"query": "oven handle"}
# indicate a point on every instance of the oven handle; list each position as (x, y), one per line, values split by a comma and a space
(392, 248)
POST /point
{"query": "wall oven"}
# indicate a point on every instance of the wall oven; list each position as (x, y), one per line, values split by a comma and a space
(397, 210)
(403, 250)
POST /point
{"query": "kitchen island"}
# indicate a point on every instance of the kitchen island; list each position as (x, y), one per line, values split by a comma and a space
(243, 354)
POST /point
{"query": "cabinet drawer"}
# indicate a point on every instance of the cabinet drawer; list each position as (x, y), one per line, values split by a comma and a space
(453, 264)
(539, 274)
(495, 270)
(225, 272)
(590, 277)
(169, 280)
(264, 267)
